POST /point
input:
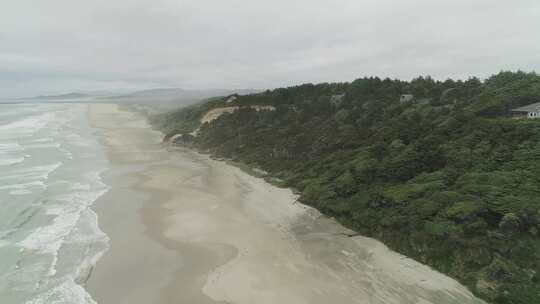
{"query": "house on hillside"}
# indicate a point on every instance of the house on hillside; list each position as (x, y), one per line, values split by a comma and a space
(337, 99)
(449, 96)
(231, 99)
(531, 111)
(406, 98)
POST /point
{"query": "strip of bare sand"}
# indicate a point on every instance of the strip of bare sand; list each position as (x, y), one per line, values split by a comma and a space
(188, 229)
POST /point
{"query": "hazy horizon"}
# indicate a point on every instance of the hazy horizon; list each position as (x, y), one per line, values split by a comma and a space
(125, 92)
(64, 46)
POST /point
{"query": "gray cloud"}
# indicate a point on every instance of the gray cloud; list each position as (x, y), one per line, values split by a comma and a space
(62, 45)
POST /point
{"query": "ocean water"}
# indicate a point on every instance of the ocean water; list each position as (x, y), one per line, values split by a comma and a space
(50, 166)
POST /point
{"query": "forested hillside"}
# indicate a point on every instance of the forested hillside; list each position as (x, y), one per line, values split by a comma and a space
(447, 178)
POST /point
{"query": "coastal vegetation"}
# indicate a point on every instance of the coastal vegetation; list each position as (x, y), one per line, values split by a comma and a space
(447, 178)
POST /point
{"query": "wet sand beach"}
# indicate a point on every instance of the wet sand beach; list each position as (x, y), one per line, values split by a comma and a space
(188, 229)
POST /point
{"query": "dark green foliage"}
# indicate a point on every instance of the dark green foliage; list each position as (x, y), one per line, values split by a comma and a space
(448, 179)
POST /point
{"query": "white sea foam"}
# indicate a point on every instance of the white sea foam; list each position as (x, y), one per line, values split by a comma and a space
(42, 140)
(80, 186)
(32, 173)
(9, 154)
(80, 141)
(10, 147)
(55, 210)
(20, 192)
(11, 161)
(43, 145)
(86, 233)
(49, 239)
(92, 234)
(76, 224)
(29, 124)
(23, 188)
(67, 292)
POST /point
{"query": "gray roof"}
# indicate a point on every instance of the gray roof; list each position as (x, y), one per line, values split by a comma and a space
(529, 108)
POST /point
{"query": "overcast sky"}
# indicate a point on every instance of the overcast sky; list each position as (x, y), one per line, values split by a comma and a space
(56, 46)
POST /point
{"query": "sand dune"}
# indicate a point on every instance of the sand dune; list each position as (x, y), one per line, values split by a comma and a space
(217, 112)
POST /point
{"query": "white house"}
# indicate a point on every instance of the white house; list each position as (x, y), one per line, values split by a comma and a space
(531, 111)
(406, 98)
(231, 99)
(336, 99)
(534, 114)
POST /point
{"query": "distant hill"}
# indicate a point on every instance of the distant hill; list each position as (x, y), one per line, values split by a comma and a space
(61, 96)
(162, 98)
(176, 94)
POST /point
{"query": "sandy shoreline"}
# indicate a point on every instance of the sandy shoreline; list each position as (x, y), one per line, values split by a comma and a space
(188, 229)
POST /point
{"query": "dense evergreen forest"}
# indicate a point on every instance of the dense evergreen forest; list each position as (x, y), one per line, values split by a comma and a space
(448, 178)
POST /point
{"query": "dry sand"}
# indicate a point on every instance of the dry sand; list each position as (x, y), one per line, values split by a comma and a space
(188, 229)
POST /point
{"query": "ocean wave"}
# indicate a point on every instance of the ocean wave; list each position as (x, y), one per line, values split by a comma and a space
(54, 231)
(75, 225)
(20, 220)
(9, 154)
(41, 140)
(11, 161)
(10, 147)
(49, 239)
(33, 173)
(4, 237)
(29, 124)
(43, 146)
(23, 188)
(67, 292)
(77, 140)
(88, 234)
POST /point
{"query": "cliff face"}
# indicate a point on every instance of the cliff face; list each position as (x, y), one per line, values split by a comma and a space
(452, 182)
